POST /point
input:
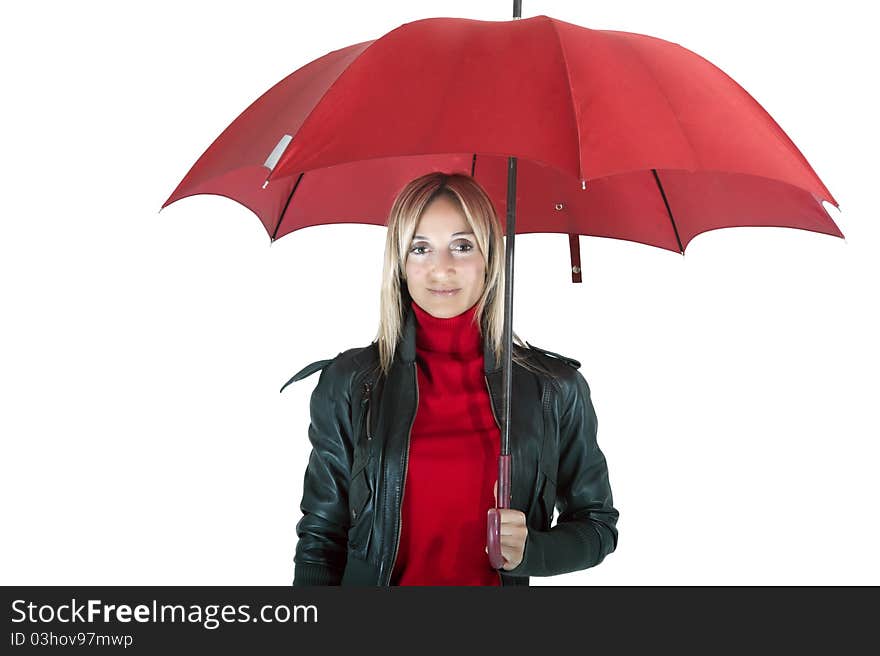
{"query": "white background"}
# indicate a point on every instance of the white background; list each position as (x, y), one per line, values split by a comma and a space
(145, 441)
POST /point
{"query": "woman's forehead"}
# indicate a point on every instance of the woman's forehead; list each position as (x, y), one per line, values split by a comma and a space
(441, 220)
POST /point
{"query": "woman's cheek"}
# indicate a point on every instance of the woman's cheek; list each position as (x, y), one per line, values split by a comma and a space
(475, 271)
(414, 270)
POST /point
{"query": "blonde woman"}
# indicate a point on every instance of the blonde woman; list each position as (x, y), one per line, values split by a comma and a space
(405, 434)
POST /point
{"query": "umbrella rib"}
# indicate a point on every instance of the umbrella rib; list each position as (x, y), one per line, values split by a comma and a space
(473, 164)
(284, 211)
(668, 210)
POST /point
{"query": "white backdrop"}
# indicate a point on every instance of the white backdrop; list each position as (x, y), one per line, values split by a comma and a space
(144, 438)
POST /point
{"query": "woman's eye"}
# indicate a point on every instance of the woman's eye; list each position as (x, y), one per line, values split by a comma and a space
(459, 247)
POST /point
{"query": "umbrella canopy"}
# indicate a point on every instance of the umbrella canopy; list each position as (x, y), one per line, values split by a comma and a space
(617, 135)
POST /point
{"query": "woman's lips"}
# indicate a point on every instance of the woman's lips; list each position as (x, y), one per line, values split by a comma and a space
(444, 292)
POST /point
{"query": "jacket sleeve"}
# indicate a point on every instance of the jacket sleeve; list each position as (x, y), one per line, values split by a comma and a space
(586, 530)
(322, 548)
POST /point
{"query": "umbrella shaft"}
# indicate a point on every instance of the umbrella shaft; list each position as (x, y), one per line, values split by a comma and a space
(508, 303)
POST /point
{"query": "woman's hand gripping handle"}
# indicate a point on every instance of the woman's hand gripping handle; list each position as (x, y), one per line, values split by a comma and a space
(513, 523)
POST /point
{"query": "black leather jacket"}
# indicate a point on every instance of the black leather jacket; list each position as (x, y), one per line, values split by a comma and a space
(360, 430)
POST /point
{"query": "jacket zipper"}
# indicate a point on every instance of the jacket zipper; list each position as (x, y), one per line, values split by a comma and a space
(403, 484)
(497, 423)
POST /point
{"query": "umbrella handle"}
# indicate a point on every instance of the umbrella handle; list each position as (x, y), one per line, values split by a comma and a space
(493, 522)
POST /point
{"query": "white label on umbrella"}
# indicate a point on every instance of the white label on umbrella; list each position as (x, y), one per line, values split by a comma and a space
(275, 155)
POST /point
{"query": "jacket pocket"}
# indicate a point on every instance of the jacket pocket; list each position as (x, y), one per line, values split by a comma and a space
(360, 512)
(547, 498)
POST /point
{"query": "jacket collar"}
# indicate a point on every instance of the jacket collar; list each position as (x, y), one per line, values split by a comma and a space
(407, 346)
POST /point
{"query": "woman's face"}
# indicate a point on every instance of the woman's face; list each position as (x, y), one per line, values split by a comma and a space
(445, 273)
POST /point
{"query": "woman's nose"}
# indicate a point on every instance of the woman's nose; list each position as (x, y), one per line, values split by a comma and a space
(443, 263)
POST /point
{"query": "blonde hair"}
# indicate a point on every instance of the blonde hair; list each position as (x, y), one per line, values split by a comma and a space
(403, 219)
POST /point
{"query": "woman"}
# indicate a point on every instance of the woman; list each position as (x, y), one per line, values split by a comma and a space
(405, 434)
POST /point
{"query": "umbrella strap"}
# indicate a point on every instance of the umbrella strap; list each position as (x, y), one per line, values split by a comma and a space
(574, 248)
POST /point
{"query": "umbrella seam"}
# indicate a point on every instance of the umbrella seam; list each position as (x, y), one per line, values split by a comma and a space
(320, 99)
(577, 125)
(638, 55)
(782, 137)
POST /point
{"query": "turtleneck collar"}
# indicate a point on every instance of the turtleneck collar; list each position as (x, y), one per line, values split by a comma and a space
(407, 346)
(457, 335)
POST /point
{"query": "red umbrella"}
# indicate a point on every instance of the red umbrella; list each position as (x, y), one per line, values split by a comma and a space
(667, 145)
(570, 130)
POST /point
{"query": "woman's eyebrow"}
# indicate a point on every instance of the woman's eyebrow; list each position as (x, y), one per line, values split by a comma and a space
(454, 234)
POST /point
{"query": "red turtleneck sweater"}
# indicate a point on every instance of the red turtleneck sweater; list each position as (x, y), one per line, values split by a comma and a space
(453, 460)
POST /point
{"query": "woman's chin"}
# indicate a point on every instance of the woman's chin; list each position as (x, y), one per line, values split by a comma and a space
(443, 308)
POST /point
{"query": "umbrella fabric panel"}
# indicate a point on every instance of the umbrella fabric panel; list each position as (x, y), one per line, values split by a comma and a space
(243, 185)
(359, 192)
(446, 85)
(235, 162)
(627, 206)
(706, 201)
(646, 103)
